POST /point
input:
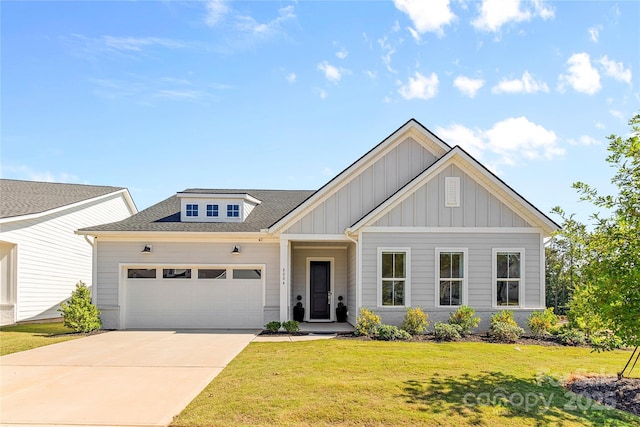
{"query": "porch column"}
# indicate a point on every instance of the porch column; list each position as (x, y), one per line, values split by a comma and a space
(285, 283)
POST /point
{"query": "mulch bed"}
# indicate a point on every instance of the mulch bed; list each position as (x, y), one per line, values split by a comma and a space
(623, 394)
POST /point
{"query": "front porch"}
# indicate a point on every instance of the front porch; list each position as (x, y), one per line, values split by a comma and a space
(326, 328)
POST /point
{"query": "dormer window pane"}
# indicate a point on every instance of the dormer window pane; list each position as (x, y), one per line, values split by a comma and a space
(192, 210)
(233, 211)
(212, 210)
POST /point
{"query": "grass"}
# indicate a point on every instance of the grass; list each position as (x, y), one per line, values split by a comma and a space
(372, 383)
(25, 337)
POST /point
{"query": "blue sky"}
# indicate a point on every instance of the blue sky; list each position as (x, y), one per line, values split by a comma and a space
(159, 96)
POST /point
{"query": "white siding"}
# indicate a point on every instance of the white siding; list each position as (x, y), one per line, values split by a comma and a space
(352, 274)
(422, 265)
(51, 259)
(367, 190)
(426, 207)
(111, 254)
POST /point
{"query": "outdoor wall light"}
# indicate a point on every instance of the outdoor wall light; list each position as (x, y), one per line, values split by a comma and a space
(235, 250)
(147, 249)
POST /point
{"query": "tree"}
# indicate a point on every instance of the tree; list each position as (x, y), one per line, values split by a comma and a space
(79, 313)
(609, 276)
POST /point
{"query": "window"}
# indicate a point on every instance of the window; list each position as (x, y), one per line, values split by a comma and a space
(141, 273)
(233, 211)
(247, 274)
(452, 191)
(393, 277)
(192, 210)
(212, 273)
(508, 276)
(451, 276)
(176, 273)
(212, 210)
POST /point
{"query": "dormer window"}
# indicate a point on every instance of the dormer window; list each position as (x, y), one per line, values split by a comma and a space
(192, 209)
(233, 211)
(212, 210)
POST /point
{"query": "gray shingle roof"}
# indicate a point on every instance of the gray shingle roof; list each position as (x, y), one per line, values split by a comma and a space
(19, 198)
(165, 216)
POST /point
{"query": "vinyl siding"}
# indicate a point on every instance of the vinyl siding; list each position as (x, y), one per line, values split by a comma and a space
(352, 273)
(366, 190)
(51, 259)
(423, 275)
(112, 253)
(425, 207)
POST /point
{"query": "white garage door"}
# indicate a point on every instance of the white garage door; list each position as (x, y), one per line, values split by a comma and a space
(211, 297)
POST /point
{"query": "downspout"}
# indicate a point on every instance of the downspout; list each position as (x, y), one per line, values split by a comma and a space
(347, 234)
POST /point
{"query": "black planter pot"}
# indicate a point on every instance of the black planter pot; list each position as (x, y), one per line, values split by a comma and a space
(298, 312)
(341, 313)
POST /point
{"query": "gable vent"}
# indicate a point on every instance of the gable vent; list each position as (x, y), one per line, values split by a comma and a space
(452, 192)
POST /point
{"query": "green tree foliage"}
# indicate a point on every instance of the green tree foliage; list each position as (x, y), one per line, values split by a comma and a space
(607, 288)
(79, 313)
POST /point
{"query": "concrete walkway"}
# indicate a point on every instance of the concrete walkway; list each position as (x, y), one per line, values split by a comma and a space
(120, 378)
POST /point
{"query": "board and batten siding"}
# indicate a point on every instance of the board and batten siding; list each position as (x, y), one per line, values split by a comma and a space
(112, 254)
(423, 246)
(352, 277)
(51, 258)
(366, 190)
(425, 207)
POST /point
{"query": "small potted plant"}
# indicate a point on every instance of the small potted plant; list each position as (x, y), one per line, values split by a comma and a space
(341, 311)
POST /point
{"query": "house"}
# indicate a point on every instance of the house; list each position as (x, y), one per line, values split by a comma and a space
(413, 222)
(41, 258)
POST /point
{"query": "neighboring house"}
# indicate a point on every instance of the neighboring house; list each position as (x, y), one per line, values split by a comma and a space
(413, 222)
(41, 258)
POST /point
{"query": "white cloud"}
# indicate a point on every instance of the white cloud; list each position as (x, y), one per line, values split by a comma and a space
(496, 13)
(427, 16)
(584, 140)
(599, 125)
(508, 142)
(386, 58)
(581, 75)
(216, 11)
(617, 114)
(320, 92)
(136, 44)
(372, 74)
(328, 172)
(616, 70)
(342, 53)
(30, 174)
(250, 25)
(291, 77)
(333, 74)
(468, 86)
(420, 87)
(526, 84)
(594, 33)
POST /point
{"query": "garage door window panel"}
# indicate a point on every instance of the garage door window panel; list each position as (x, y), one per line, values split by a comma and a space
(212, 273)
(176, 273)
(247, 274)
(141, 273)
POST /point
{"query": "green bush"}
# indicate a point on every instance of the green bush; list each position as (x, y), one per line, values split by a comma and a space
(504, 316)
(291, 326)
(367, 323)
(392, 333)
(605, 340)
(505, 332)
(464, 317)
(79, 313)
(571, 336)
(415, 321)
(447, 332)
(273, 326)
(542, 323)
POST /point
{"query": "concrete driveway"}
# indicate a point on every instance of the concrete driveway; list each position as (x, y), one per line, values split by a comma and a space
(120, 378)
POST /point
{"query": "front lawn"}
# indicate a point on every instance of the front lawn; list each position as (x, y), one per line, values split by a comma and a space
(24, 337)
(373, 383)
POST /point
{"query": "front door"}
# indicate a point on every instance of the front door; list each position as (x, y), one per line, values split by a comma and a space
(319, 289)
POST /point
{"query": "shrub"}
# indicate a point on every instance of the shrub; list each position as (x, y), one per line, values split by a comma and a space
(505, 332)
(367, 323)
(392, 333)
(291, 326)
(464, 317)
(542, 323)
(79, 313)
(273, 326)
(446, 331)
(415, 321)
(605, 340)
(504, 316)
(571, 336)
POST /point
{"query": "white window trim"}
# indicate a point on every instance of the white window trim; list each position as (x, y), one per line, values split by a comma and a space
(407, 280)
(465, 277)
(452, 183)
(494, 279)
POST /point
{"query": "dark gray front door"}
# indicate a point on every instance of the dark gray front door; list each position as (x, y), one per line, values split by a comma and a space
(320, 287)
